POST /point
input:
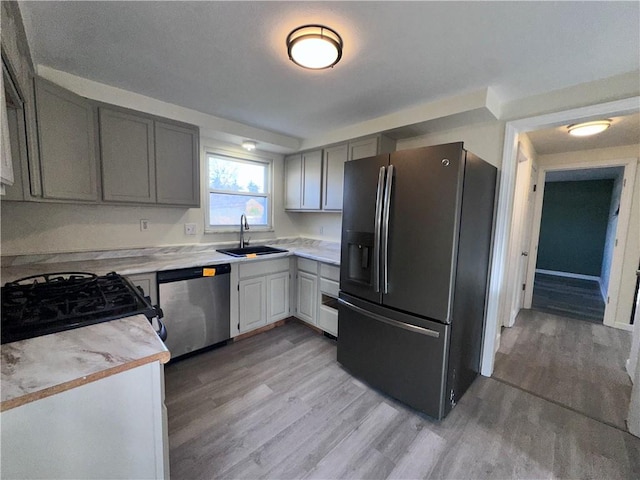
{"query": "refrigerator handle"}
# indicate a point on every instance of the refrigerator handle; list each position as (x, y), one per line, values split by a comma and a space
(389, 321)
(385, 230)
(376, 234)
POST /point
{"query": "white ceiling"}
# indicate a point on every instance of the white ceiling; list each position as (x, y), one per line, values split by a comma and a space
(623, 131)
(584, 174)
(229, 59)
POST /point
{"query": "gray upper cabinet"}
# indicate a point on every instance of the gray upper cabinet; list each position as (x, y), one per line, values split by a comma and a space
(292, 179)
(303, 177)
(127, 157)
(333, 176)
(177, 165)
(66, 137)
(370, 147)
(136, 158)
(314, 180)
(311, 179)
(364, 148)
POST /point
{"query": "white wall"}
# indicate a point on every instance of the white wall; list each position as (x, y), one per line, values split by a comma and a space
(30, 227)
(483, 139)
(318, 225)
(632, 248)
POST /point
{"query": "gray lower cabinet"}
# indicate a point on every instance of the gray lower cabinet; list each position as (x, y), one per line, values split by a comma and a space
(177, 165)
(253, 303)
(127, 157)
(66, 136)
(148, 283)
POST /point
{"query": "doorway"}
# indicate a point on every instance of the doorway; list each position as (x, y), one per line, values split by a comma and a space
(580, 211)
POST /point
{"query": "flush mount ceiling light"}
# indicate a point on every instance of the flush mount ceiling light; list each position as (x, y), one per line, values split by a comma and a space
(588, 128)
(314, 47)
(249, 145)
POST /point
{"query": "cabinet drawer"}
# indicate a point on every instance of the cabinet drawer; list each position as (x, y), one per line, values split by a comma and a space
(330, 271)
(328, 320)
(255, 268)
(307, 265)
(329, 287)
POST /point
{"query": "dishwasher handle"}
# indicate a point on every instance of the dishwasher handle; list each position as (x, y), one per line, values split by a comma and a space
(168, 276)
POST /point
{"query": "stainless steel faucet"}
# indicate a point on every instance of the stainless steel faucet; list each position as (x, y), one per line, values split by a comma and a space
(243, 226)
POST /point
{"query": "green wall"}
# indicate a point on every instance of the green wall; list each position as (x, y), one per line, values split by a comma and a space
(574, 226)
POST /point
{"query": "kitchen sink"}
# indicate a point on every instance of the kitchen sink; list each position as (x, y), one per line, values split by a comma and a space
(250, 251)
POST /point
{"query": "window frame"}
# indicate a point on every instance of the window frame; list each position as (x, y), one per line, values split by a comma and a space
(241, 157)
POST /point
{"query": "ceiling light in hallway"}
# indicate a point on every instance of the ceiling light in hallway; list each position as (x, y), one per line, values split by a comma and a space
(588, 128)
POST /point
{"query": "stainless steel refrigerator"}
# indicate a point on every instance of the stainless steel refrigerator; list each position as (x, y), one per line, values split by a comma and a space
(416, 242)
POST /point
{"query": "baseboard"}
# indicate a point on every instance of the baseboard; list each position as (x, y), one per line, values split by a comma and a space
(568, 275)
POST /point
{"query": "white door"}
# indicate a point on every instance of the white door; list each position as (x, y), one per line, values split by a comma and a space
(526, 239)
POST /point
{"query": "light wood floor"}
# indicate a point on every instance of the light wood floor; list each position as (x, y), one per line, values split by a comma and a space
(569, 297)
(574, 363)
(278, 405)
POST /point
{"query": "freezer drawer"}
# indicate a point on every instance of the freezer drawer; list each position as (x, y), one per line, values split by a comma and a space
(403, 360)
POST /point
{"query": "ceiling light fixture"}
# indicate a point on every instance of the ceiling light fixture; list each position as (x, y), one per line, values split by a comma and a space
(249, 145)
(588, 128)
(314, 47)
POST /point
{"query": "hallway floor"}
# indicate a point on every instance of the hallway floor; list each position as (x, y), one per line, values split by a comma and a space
(573, 363)
(568, 297)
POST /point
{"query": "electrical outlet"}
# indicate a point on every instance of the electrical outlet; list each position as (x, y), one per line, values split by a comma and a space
(144, 225)
(189, 228)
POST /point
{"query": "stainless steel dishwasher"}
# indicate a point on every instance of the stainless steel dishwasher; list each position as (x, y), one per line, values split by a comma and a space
(195, 302)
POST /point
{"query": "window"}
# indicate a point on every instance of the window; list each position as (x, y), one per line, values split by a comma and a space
(238, 186)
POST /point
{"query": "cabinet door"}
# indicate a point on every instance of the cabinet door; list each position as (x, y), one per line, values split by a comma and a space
(307, 295)
(333, 177)
(292, 182)
(177, 165)
(17, 137)
(67, 144)
(311, 180)
(127, 154)
(364, 148)
(277, 296)
(253, 303)
(147, 281)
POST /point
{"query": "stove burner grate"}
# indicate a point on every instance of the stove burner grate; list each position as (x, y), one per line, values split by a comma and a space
(50, 303)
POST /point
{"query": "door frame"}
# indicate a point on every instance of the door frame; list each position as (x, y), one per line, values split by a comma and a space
(519, 234)
(504, 210)
(622, 227)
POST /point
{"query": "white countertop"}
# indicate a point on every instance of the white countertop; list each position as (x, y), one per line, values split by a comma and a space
(130, 262)
(43, 366)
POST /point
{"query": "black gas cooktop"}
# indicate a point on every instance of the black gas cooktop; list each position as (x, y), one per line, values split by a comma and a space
(54, 302)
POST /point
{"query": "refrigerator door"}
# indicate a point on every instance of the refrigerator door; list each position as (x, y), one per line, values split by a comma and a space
(361, 219)
(422, 230)
(403, 356)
